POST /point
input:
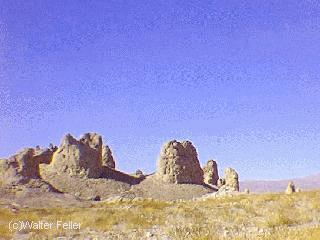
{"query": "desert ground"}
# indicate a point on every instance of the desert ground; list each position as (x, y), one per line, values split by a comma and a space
(243, 216)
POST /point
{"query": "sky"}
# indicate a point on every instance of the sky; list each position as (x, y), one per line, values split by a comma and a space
(240, 79)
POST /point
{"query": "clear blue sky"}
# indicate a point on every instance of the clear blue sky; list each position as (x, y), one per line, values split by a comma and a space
(240, 79)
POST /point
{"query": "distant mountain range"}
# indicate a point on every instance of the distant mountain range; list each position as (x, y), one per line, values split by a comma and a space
(305, 183)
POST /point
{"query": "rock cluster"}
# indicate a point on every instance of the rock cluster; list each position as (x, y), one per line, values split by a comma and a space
(210, 173)
(85, 167)
(178, 163)
(84, 157)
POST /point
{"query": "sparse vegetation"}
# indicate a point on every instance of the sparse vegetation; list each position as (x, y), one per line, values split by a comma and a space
(265, 216)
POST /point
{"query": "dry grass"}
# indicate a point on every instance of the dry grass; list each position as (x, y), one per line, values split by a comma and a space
(265, 217)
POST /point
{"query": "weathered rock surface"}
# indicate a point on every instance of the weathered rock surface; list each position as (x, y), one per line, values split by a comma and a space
(81, 157)
(24, 165)
(85, 167)
(86, 157)
(290, 188)
(178, 163)
(210, 173)
(93, 140)
(231, 179)
(44, 155)
(8, 173)
(230, 182)
(107, 158)
(21, 171)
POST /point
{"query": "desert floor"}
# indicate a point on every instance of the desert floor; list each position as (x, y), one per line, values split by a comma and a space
(246, 216)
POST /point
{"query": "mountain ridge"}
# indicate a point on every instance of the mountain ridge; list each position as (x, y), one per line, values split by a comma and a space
(305, 183)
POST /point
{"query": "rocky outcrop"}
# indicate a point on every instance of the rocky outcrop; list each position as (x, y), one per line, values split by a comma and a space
(178, 163)
(44, 155)
(231, 179)
(210, 173)
(22, 167)
(230, 182)
(290, 188)
(85, 167)
(107, 158)
(9, 173)
(81, 157)
(25, 163)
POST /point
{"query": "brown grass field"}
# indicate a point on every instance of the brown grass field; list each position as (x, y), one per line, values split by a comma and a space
(261, 216)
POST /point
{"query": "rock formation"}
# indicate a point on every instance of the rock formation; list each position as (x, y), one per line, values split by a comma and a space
(290, 188)
(23, 166)
(44, 155)
(178, 163)
(85, 167)
(107, 158)
(230, 182)
(81, 157)
(210, 173)
(231, 178)
(93, 140)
